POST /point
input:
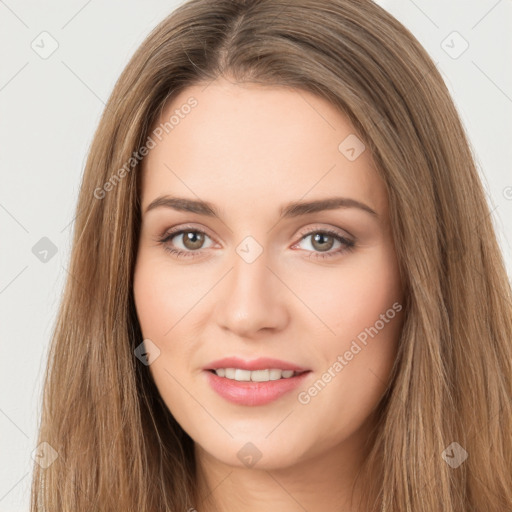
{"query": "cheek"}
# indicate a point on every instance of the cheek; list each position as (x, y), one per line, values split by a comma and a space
(160, 297)
(370, 300)
(161, 313)
(363, 307)
(151, 303)
(167, 296)
(158, 311)
(350, 298)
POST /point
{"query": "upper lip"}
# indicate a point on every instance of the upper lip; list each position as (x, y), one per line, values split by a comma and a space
(262, 363)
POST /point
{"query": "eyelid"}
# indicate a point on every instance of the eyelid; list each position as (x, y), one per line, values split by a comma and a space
(306, 231)
(333, 229)
(184, 227)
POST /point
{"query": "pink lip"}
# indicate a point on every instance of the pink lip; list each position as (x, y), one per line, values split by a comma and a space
(262, 363)
(253, 393)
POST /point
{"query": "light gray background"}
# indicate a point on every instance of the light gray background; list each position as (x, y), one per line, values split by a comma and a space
(49, 109)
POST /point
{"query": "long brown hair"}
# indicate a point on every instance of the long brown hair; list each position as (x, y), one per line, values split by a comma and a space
(118, 446)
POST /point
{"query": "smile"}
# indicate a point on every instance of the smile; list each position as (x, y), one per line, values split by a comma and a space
(258, 387)
(255, 375)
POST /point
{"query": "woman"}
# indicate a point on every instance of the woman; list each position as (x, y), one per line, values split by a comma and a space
(208, 355)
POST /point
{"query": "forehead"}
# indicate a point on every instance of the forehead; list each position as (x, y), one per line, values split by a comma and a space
(253, 145)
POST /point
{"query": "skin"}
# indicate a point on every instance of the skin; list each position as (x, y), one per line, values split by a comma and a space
(249, 149)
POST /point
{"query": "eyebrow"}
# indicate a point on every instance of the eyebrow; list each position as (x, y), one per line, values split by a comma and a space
(290, 210)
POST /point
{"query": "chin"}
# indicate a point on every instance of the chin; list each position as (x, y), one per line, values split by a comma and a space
(256, 452)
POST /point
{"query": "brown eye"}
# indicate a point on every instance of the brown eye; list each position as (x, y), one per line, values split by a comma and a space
(192, 240)
(322, 241)
(190, 245)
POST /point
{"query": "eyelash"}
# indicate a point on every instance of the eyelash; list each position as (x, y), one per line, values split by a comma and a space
(348, 244)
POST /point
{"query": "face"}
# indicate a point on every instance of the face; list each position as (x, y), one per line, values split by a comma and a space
(250, 277)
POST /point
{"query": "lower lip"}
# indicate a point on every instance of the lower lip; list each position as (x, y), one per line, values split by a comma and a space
(253, 393)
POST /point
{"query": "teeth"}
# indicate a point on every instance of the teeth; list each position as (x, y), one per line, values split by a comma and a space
(255, 376)
(242, 374)
(274, 374)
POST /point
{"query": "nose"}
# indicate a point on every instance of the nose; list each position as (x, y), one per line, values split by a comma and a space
(252, 298)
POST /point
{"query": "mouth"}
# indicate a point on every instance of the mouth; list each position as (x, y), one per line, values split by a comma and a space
(254, 388)
(264, 375)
